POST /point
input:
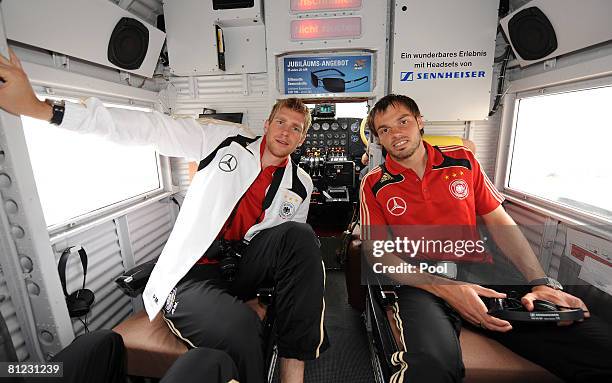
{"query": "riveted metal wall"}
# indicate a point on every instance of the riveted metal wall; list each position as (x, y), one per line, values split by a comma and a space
(109, 256)
(149, 229)
(104, 265)
(7, 309)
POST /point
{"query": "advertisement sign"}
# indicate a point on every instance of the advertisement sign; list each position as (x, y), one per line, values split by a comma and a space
(444, 59)
(327, 74)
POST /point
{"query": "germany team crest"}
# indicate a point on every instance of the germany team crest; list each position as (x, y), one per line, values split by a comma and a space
(459, 189)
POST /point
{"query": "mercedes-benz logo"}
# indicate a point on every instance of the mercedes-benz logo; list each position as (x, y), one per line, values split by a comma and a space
(396, 206)
(228, 163)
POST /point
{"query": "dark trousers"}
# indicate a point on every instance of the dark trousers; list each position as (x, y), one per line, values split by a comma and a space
(97, 357)
(430, 330)
(206, 311)
(202, 365)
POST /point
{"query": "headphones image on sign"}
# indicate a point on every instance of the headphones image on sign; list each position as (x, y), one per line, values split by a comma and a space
(511, 309)
(334, 84)
(79, 302)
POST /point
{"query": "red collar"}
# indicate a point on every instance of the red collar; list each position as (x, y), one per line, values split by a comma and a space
(433, 157)
(261, 152)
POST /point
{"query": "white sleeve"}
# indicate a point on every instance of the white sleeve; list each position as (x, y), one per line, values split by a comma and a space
(184, 137)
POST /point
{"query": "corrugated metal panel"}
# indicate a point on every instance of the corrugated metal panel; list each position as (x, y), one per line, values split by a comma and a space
(485, 135)
(453, 128)
(7, 309)
(149, 229)
(557, 254)
(531, 224)
(180, 172)
(225, 93)
(105, 264)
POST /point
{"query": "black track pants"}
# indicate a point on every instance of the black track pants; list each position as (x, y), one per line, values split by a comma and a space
(97, 357)
(206, 311)
(202, 365)
(577, 353)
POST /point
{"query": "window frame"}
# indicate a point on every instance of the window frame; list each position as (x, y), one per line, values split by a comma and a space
(529, 87)
(59, 231)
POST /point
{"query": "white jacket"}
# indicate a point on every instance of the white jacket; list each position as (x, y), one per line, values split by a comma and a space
(214, 190)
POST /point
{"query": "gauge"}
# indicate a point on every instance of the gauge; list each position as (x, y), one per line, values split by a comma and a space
(335, 126)
(329, 142)
(336, 142)
(321, 135)
(336, 135)
(344, 126)
(316, 126)
(343, 135)
(354, 127)
(307, 135)
(329, 135)
(342, 142)
(325, 126)
(307, 142)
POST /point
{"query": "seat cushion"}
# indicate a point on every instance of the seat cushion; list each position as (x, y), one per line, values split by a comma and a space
(487, 361)
(151, 346)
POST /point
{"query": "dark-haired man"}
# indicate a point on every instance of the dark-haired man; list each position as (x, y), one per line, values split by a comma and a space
(247, 193)
(445, 187)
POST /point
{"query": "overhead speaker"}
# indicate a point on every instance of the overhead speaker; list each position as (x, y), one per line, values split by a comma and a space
(544, 29)
(532, 34)
(97, 31)
(128, 44)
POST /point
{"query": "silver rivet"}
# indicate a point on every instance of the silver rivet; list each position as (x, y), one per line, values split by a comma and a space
(11, 206)
(5, 180)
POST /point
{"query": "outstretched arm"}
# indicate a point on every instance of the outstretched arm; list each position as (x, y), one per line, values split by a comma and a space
(171, 137)
(16, 94)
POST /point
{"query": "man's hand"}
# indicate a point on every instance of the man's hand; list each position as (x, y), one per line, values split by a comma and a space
(465, 299)
(558, 297)
(16, 94)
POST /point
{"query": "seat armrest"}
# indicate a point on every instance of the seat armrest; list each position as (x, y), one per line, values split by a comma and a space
(133, 281)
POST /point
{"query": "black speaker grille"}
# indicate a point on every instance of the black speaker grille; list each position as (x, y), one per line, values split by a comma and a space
(128, 44)
(532, 34)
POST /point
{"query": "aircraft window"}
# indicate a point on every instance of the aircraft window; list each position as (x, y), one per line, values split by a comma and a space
(76, 174)
(561, 146)
(352, 109)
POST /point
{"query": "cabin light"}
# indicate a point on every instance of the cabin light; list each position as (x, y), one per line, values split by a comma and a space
(323, 5)
(316, 29)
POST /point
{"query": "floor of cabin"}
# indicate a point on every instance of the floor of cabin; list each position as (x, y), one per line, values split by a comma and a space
(348, 357)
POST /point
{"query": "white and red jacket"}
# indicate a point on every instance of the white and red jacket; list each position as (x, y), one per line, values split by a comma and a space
(229, 163)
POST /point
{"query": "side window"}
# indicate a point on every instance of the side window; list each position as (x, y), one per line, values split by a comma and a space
(561, 149)
(78, 174)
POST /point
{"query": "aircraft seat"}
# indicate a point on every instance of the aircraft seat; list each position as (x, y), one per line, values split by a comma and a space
(485, 360)
(151, 346)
